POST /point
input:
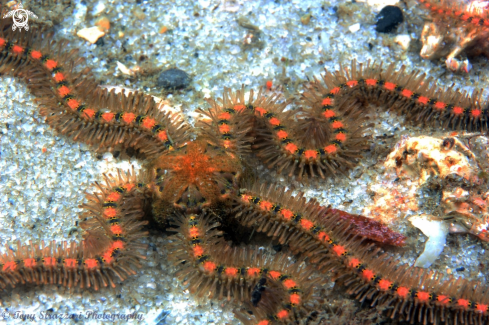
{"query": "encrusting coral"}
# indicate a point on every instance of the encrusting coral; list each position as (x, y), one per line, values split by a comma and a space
(191, 183)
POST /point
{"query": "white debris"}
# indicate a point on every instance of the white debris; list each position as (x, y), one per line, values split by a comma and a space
(437, 232)
(354, 28)
(91, 34)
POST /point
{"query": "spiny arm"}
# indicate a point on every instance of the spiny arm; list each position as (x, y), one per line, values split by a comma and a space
(419, 294)
(213, 267)
(109, 252)
(76, 107)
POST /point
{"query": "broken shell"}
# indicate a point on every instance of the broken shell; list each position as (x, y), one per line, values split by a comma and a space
(91, 34)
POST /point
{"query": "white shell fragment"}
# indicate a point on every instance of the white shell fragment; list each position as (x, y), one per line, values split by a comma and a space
(125, 70)
(91, 34)
(437, 232)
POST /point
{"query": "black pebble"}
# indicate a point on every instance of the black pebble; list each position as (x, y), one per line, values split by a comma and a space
(460, 269)
(173, 79)
(388, 19)
(100, 42)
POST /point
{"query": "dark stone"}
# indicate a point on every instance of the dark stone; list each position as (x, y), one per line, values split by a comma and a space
(388, 19)
(100, 42)
(173, 79)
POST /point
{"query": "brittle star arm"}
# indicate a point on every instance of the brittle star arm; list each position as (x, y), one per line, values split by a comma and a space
(108, 254)
(413, 293)
(211, 266)
(327, 136)
(75, 106)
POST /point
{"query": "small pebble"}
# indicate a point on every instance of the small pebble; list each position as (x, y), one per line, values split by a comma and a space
(103, 24)
(98, 8)
(403, 41)
(173, 79)
(306, 19)
(388, 19)
(354, 28)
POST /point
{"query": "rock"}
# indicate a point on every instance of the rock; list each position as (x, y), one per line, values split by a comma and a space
(173, 79)
(424, 157)
(388, 19)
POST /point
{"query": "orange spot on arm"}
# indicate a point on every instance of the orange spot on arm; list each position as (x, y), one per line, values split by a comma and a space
(261, 111)
(253, 271)
(148, 123)
(329, 113)
(9, 266)
(162, 136)
(70, 262)
(289, 284)
(390, 86)
(274, 275)
(327, 101)
(108, 116)
(331, 149)
(295, 299)
(337, 125)
(287, 214)
(198, 251)
(91, 263)
(274, 121)
(128, 117)
(423, 295)
(384, 285)
(306, 224)
(49, 261)
(231, 272)
(114, 196)
(339, 250)
(29, 262)
(73, 104)
(58, 77)
(224, 128)
(116, 229)
(51, 64)
(403, 292)
(209, 266)
(110, 213)
(17, 49)
(265, 205)
(282, 134)
(283, 314)
(311, 154)
(291, 148)
(35, 54)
